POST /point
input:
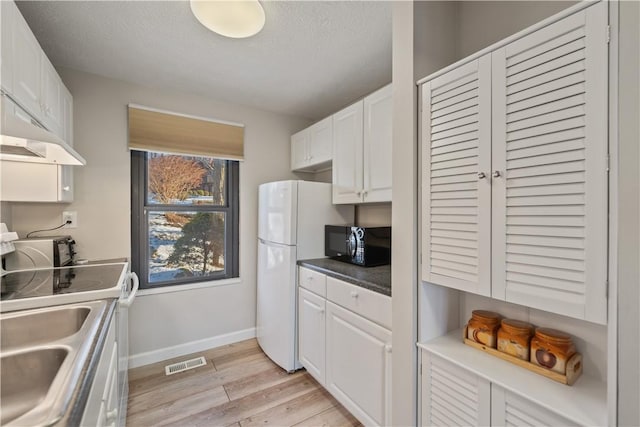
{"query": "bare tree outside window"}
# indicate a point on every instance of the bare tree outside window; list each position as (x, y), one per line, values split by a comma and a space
(186, 212)
(173, 177)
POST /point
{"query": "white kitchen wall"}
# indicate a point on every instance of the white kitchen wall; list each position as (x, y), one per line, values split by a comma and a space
(168, 323)
(482, 23)
(373, 215)
(423, 42)
(628, 216)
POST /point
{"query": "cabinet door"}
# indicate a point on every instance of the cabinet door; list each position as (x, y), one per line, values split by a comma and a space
(456, 188)
(65, 183)
(311, 337)
(67, 116)
(52, 99)
(347, 155)
(378, 109)
(7, 10)
(358, 362)
(299, 150)
(508, 409)
(452, 396)
(549, 157)
(320, 146)
(111, 399)
(26, 66)
(29, 182)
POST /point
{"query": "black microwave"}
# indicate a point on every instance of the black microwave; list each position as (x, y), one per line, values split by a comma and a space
(366, 246)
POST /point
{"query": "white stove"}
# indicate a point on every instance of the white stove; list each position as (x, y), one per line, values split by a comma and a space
(25, 289)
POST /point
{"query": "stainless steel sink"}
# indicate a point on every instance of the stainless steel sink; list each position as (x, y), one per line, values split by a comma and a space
(26, 379)
(41, 327)
(42, 355)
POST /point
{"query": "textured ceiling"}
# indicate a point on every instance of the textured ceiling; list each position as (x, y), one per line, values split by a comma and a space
(311, 58)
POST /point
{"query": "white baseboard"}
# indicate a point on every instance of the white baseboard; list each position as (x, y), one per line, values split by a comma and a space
(161, 354)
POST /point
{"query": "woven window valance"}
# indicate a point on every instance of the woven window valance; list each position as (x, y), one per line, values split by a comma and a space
(152, 130)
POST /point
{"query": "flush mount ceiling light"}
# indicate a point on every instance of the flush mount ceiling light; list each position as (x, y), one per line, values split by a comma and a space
(230, 18)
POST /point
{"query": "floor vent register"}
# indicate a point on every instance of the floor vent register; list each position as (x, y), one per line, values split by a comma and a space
(184, 366)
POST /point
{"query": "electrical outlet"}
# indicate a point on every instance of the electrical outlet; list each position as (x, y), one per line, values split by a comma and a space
(70, 216)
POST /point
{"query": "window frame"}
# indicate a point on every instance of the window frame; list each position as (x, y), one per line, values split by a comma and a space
(140, 214)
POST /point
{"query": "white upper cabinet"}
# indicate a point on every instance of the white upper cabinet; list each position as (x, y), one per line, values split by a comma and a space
(67, 116)
(299, 142)
(311, 148)
(549, 191)
(347, 154)
(514, 175)
(320, 147)
(29, 78)
(35, 182)
(6, 45)
(378, 120)
(456, 187)
(362, 150)
(52, 99)
(26, 64)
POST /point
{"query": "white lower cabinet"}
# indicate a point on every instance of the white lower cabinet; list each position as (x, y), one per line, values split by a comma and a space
(344, 343)
(102, 404)
(454, 396)
(311, 333)
(358, 362)
(509, 409)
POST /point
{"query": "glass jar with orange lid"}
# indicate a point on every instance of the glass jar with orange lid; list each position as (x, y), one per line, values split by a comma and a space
(483, 327)
(552, 349)
(514, 337)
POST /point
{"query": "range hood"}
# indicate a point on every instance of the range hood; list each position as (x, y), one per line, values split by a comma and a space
(28, 141)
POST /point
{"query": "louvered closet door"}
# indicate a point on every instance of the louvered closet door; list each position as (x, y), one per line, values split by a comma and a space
(508, 409)
(453, 396)
(550, 149)
(456, 189)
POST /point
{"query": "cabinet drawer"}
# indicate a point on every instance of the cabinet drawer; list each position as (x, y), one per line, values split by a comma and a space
(371, 305)
(313, 281)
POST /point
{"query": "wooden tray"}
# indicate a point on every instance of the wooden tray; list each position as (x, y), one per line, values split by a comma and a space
(574, 364)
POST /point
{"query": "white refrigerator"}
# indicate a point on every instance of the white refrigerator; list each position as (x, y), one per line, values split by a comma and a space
(291, 220)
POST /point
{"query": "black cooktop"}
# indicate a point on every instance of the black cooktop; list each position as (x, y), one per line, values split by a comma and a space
(55, 281)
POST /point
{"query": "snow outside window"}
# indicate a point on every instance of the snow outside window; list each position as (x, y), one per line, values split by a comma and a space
(185, 218)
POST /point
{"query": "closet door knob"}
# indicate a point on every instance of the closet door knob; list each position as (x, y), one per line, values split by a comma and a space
(481, 175)
(496, 174)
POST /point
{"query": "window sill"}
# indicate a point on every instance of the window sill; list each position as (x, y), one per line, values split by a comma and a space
(188, 287)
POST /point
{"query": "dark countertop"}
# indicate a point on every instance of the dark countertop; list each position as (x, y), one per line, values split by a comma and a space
(377, 279)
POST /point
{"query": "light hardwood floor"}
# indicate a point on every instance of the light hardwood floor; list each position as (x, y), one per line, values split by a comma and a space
(239, 386)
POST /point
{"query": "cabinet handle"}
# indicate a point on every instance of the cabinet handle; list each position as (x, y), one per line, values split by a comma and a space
(112, 414)
(496, 174)
(66, 188)
(354, 294)
(388, 348)
(481, 175)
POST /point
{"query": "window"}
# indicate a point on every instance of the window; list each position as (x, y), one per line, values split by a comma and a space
(184, 218)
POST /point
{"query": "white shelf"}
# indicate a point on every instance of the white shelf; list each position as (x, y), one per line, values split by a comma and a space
(585, 402)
